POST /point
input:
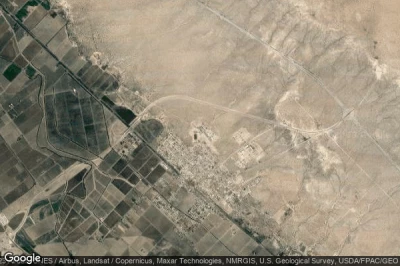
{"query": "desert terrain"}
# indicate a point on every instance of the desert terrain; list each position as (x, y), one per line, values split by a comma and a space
(284, 111)
(200, 127)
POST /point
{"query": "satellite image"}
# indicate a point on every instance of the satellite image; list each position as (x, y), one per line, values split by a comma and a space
(200, 127)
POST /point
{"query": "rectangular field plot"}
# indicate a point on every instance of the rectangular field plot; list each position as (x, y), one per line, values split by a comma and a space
(35, 17)
(79, 117)
(149, 166)
(156, 174)
(15, 180)
(48, 27)
(141, 157)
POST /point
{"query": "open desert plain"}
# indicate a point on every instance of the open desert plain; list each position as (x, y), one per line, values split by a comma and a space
(202, 127)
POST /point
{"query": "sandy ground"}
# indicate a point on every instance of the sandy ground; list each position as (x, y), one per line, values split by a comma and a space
(318, 72)
(371, 19)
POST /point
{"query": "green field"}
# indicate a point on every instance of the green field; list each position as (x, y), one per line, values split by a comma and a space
(23, 12)
(12, 71)
(30, 71)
